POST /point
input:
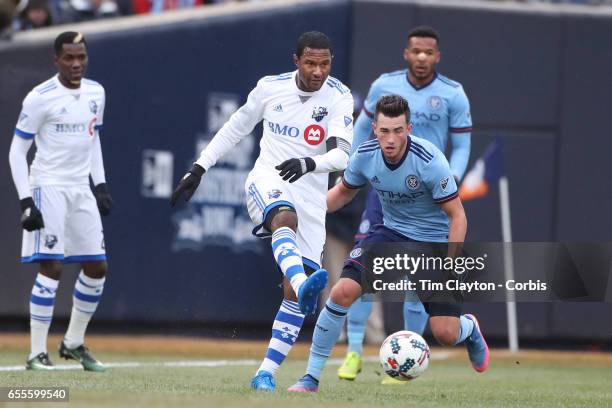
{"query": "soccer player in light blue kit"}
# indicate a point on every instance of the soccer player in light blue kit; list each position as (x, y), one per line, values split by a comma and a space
(440, 111)
(421, 210)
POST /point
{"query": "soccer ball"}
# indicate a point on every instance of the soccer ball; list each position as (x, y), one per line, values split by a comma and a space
(404, 355)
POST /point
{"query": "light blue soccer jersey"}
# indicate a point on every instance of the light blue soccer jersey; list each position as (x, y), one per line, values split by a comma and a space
(410, 191)
(438, 110)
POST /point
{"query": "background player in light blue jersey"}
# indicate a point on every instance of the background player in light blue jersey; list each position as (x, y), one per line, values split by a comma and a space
(440, 111)
(421, 207)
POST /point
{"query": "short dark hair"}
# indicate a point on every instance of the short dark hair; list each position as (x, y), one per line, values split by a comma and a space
(392, 106)
(315, 40)
(68, 37)
(424, 31)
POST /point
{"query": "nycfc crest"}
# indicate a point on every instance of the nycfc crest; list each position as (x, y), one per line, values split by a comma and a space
(319, 112)
(434, 102)
(412, 182)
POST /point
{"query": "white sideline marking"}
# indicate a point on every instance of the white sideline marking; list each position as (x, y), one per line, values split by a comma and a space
(198, 363)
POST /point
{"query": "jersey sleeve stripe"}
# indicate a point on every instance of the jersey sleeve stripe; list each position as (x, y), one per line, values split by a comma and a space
(447, 198)
(421, 149)
(368, 113)
(98, 127)
(350, 186)
(460, 130)
(369, 143)
(24, 135)
(367, 149)
(419, 155)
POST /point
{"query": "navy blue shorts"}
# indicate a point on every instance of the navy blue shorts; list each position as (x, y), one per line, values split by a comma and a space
(372, 215)
(437, 303)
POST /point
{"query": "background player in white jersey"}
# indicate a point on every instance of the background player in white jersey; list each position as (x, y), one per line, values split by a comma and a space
(440, 112)
(61, 217)
(307, 133)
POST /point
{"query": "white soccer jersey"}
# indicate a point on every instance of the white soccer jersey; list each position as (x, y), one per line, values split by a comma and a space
(295, 124)
(63, 123)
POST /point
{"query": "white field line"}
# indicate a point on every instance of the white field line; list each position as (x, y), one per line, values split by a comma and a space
(440, 355)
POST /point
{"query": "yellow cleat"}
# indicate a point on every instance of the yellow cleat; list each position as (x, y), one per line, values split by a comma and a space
(350, 367)
(391, 381)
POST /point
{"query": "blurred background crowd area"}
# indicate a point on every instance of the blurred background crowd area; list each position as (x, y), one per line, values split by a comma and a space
(22, 15)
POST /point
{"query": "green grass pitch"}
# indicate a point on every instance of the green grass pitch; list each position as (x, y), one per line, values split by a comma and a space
(530, 382)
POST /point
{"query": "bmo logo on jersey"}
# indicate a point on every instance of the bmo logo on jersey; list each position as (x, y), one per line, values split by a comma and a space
(70, 127)
(283, 130)
(314, 134)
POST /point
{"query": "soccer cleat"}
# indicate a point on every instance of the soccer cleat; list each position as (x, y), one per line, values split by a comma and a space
(82, 355)
(40, 363)
(263, 381)
(305, 384)
(477, 347)
(350, 367)
(388, 380)
(309, 291)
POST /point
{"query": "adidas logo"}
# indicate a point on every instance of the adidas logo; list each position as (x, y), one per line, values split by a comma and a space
(63, 111)
(278, 108)
(375, 179)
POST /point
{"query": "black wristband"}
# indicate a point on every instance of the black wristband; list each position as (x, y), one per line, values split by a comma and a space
(197, 170)
(27, 202)
(310, 163)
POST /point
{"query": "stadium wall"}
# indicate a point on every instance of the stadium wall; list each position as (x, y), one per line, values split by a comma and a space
(170, 84)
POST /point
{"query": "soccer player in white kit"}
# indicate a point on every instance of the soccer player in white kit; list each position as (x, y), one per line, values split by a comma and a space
(307, 133)
(60, 215)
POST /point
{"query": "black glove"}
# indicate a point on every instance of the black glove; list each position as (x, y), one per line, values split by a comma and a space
(103, 198)
(293, 169)
(188, 184)
(31, 217)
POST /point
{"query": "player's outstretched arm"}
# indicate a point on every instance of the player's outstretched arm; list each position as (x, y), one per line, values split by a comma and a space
(457, 225)
(339, 196)
(31, 217)
(188, 184)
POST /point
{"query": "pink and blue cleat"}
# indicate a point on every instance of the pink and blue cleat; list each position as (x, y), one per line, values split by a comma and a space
(305, 384)
(477, 347)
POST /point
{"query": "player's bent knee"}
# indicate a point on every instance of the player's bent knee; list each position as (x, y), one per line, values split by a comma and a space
(96, 269)
(282, 218)
(51, 269)
(345, 292)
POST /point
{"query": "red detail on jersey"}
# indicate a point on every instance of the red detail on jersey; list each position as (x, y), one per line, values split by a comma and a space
(314, 134)
(92, 126)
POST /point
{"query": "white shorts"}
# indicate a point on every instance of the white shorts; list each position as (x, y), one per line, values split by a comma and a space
(73, 228)
(265, 192)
